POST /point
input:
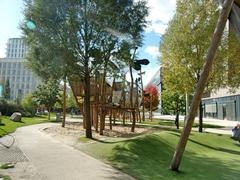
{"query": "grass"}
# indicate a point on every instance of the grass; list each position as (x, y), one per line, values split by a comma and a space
(84, 139)
(163, 122)
(207, 156)
(5, 177)
(10, 126)
(7, 166)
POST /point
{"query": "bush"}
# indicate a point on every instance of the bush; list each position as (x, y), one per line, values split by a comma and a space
(8, 108)
(29, 105)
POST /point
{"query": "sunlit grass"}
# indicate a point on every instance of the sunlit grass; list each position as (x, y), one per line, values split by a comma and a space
(9, 126)
(207, 156)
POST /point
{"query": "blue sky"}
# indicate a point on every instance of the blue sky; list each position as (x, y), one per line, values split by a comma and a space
(161, 11)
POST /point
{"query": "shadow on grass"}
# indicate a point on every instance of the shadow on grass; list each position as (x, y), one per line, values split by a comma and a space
(211, 147)
(149, 157)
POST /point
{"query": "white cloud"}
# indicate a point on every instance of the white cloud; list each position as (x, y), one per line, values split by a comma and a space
(149, 73)
(161, 11)
(153, 51)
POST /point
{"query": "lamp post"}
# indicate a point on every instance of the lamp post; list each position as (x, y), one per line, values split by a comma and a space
(137, 66)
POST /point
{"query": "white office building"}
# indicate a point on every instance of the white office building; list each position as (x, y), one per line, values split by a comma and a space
(16, 48)
(13, 69)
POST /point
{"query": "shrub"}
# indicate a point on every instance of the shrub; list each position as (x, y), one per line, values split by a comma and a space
(7, 108)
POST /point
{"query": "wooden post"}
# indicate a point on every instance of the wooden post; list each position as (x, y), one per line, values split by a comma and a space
(151, 107)
(110, 119)
(177, 157)
(64, 100)
(143, 108)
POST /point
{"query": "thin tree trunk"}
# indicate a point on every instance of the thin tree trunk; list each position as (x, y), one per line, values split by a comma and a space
(49, 113)
(131, 100)
(87, 112)
(200, 127)
(177, 119)
(110, 119)
(64, 101)
(201, 84)
(102, 109)
(151, 99)
(177, 116)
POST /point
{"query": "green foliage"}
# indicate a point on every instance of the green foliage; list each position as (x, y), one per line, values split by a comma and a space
(185, 45)
(172, 102)
(207, 156)
(5, 177)
(47, 94)
(233, 62)
(7, 165)
(71, 102)
(72, 33)
(29, 104)
(8, 108)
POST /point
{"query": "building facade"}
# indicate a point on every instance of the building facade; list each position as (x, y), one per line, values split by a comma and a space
(13, 69)
(222, 105)
(16, 48)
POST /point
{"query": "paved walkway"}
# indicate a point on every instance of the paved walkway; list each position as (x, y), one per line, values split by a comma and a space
(51, 160)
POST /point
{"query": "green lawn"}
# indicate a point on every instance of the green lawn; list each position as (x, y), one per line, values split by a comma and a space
(207, 156)
(164, 122)
(10, 126)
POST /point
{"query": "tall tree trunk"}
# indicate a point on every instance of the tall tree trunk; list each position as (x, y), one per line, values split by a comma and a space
(64, 101)
(177, 157)
(87, 112)
(131, 101)
(102, 109)
(200, 127)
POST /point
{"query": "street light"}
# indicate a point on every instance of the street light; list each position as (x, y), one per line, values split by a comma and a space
(137, 66)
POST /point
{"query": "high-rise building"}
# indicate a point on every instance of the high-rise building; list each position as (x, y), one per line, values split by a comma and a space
(16, 48)
(13, 69)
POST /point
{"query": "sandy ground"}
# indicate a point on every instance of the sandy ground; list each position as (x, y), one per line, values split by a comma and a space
(73, 130)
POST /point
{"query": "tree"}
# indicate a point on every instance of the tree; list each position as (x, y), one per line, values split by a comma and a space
(6, 89)
(47, 94)
(185, 45)
(79, 30)
(173, 103)
(151, 99)
(216, 39)
(29, 104)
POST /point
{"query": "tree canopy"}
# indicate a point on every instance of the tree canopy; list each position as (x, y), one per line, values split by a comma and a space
(185, 45)
(79, 37)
